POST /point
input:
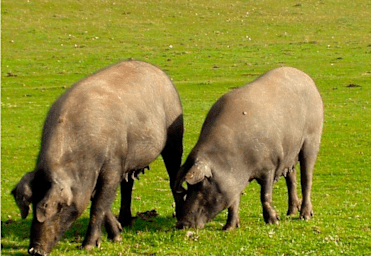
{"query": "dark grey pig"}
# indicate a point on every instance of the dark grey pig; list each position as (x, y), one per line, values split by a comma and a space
(256, 132)
(103, 131)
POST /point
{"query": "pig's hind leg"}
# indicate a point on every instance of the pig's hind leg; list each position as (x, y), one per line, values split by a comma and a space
(307, 158)
(172, 156)
(125, 216)
(293, 200)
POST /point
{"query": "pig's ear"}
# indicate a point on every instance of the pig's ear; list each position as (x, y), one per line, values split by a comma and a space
(23, 202)
(197, 173)
(51, 204)
(23, 194)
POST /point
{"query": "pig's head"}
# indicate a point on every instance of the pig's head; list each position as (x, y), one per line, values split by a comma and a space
(204, 198)
(54, 212)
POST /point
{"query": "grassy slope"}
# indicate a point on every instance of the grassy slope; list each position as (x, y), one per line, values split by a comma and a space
(207, 48)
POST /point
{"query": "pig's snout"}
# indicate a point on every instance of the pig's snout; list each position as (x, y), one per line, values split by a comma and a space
(38, 252)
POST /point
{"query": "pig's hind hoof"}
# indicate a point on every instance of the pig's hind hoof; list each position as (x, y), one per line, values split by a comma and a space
(306, 212)
(307, 216)
(126, 221)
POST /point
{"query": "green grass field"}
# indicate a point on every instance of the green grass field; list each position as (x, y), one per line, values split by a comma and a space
(207, 48)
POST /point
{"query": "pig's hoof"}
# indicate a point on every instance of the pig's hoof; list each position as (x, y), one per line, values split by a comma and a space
(269, 214)
(274, 220)
(232, 225)
(182, 225)
(306, 216)
(91, 245)
(228, 227)
(87, 247)
(293, 209)
(34, 251)
(306, 212)
(113, 230)
(126, 221)
(117, 239)
(271, 217)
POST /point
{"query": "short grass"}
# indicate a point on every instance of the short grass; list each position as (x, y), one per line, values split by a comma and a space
(207, 48)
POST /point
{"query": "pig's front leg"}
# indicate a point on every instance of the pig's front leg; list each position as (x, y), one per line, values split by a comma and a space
(233, 220)
(101, 208)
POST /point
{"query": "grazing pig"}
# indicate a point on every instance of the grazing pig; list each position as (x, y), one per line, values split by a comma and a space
(256, 132)
(102, 132)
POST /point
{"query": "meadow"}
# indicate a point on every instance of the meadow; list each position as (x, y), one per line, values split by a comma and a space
(207, 48)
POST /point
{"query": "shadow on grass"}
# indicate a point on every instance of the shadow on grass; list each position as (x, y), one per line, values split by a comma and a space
(16, 233)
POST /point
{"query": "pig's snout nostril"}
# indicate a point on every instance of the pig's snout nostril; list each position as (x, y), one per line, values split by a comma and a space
(32, 251)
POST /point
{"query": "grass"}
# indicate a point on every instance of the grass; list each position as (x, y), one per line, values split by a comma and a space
(207, 49)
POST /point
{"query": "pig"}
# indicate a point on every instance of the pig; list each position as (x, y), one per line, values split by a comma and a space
(256, 132)
(102, 132)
